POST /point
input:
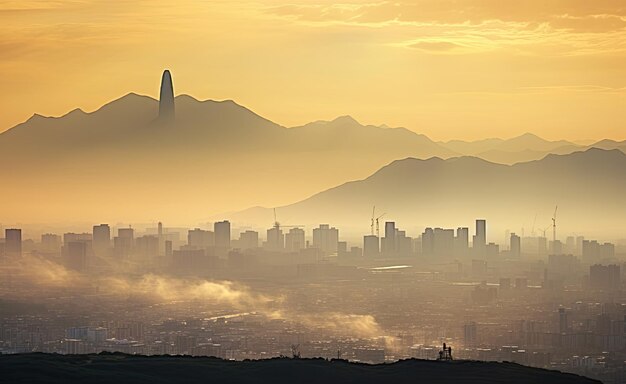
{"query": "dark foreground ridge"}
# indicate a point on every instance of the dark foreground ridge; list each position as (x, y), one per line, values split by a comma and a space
(120, 368)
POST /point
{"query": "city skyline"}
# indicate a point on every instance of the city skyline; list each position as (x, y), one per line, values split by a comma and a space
(502, 295)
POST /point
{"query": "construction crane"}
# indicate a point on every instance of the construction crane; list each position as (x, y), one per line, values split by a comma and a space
(532, 231)
(554, 225)
(372, 224)
(278, 226)
(377, 225)
(544, 230)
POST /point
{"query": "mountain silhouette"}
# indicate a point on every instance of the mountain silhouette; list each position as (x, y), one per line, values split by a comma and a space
(518, 149)
(121, 160)
(206, 160)
(589, 187)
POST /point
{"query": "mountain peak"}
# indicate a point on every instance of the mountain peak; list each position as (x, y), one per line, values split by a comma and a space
(529, 135)
(36, 116)
(186, 97)
(346, 119)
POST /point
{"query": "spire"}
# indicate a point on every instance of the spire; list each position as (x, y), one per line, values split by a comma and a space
(166, 98)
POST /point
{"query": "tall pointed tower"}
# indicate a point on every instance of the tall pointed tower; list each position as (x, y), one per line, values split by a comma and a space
(166, 98)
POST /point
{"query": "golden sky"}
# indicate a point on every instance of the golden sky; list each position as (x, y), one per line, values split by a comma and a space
(464, 69)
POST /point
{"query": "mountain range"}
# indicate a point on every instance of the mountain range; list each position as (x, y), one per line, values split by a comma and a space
(588, 186)
(121, 161)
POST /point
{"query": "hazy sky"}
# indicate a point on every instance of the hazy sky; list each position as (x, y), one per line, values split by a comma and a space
(449, 69)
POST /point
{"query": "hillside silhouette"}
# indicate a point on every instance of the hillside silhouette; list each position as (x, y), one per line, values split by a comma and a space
(119, 368)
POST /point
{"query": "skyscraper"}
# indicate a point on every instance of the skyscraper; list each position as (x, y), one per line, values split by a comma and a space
(124, 242)
(101, 237)
(461, 241)
(294, 239)
(428, 242)
(479, 240)
(222, 234)
(161, 239)
(516, 249)
(50, 242)
(13, 242)
(76, 255)
(326, 238)
(275, 239)
(249, 240)
(388, 243)
(166, 98)
(200, 239)
(443, 242)
(371, 246)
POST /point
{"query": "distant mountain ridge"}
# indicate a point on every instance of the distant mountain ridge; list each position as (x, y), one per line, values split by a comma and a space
(121, 161)
(521, 148)
(210, 158)
(589, 187)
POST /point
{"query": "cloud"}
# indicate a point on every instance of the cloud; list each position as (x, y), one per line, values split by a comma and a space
(449, 11)
(157, 287)
(589, 24)
(435, 46)
(348, 324)
(557, 27)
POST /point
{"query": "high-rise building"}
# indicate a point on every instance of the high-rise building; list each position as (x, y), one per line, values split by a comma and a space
(249, 240)
(326, 239)
(294, 240)
(76, 255)
(570, 244)
(13, 242)
(126, 233)
(404, 244)
(542, 246)
(147, 246)
(428, 242)
(70, 236)
(479, 241)
(200, 239)
(50, 242)
(161, 238)
(461, 241)
(371, 247)
(556, 247)
(388, 245)
(222, 234)
(101, 238)
(124, 242)
(169, 249)
(579, 245)
(275, 239)
(605, 277)
(443, 245)
(515, 246)
(166, 98)
(492, 250)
